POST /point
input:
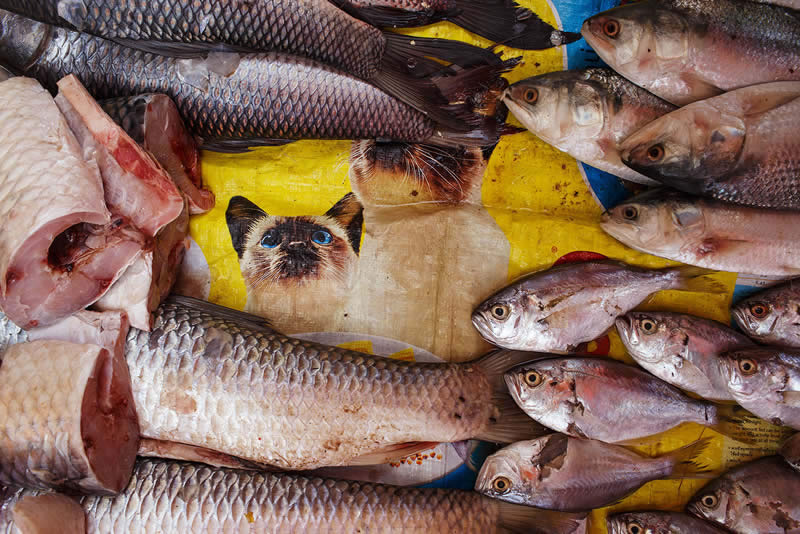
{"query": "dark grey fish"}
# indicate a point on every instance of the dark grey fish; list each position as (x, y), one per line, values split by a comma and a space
(759, 497)
(249, 101)
(176, 497)
(502, 21)
(314, 29)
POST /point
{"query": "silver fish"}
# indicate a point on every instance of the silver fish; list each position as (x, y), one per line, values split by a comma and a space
(791, 451)
(560, 307)
(587, 114)
(766, 381)
(759, 497)
(681, 349)
(772, 316)
(688, 50)
(558, 472)
(741, 147)
(659, 523)
(708, 233)
(603, 399)
(219, 379)
(177, 497)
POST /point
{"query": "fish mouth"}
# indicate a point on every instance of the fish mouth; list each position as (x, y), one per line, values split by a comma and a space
(624, 326)
(742, 319)
(482, 325)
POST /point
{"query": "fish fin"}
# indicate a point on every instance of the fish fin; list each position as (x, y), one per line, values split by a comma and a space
(487, 134)
(519, 518)
(402, 48)
(732, 420)
(686, 462)
(392, 453)
(506, 22)
(791, 398)
(390, 17)
(180, 50)
(157, 448)
(511, 424)
(252, 321)
(240, 146)
(693, 279)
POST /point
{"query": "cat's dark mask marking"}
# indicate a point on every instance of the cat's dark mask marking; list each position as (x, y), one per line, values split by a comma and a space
(350, 214)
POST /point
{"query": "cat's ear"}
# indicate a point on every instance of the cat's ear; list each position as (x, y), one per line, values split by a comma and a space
(241, 213)
(349, 213)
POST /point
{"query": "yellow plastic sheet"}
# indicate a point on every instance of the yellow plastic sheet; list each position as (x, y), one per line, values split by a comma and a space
(536, 195)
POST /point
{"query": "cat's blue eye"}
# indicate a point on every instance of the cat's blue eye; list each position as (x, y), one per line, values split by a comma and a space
(322, 237)
(271, 239)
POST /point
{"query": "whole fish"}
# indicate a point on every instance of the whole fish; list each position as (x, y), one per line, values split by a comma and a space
(502, 21)
(688, 50)
(558, 308)
(791, 451)
(759, 497)
(708, 233)
(681, 349)
(659, 523)
(314, 29)
(772, 315)
(220, 379)
(561, 473)
(766, 381)
(177, 497)
(741, 147)
(587, 114)
(600, 398)
(252, 100)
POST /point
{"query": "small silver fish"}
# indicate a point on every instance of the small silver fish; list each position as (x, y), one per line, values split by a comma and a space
(659, 523)
(759, 497)
(558, 308)
(558, 472)
(587, 114)
(791, 451)
(681, 349)
(772, 316)
(600, 398)
(766, 381)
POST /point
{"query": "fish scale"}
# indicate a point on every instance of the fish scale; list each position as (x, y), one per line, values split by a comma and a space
(311, 28)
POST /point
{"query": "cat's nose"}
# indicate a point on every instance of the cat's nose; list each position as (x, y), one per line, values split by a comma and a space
(294, 245)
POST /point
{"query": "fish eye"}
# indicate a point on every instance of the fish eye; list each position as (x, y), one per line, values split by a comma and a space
(759, 310)
(501, 485)
(748, 367)
(649, 326)
(533, 379)
(630, 212)
(611, 28)
(709, 501)
(500, 312)
(635, 528)
(271, 239)
(322, 237)
(531, 96)
(655, 153)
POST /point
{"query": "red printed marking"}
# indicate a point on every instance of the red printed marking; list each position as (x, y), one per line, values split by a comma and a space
(580, 255)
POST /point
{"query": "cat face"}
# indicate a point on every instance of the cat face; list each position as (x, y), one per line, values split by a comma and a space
(402, 173)
(294, 250)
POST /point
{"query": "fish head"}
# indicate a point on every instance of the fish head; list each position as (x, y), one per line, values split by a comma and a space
(504, 318)
(650, 337)
(559, 107)
(687, 147)
(751, 374)
(510, 474)
(758, 318)
(657, 221)
(20, 40)
(638, 40)
(637, 523)
(539, 387)
(713, 501)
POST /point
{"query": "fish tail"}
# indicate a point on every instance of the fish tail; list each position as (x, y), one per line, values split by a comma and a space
(736, 423)
(689, 278)
(506, 22)
(521, 518)
(686, 462)
(510, 423)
